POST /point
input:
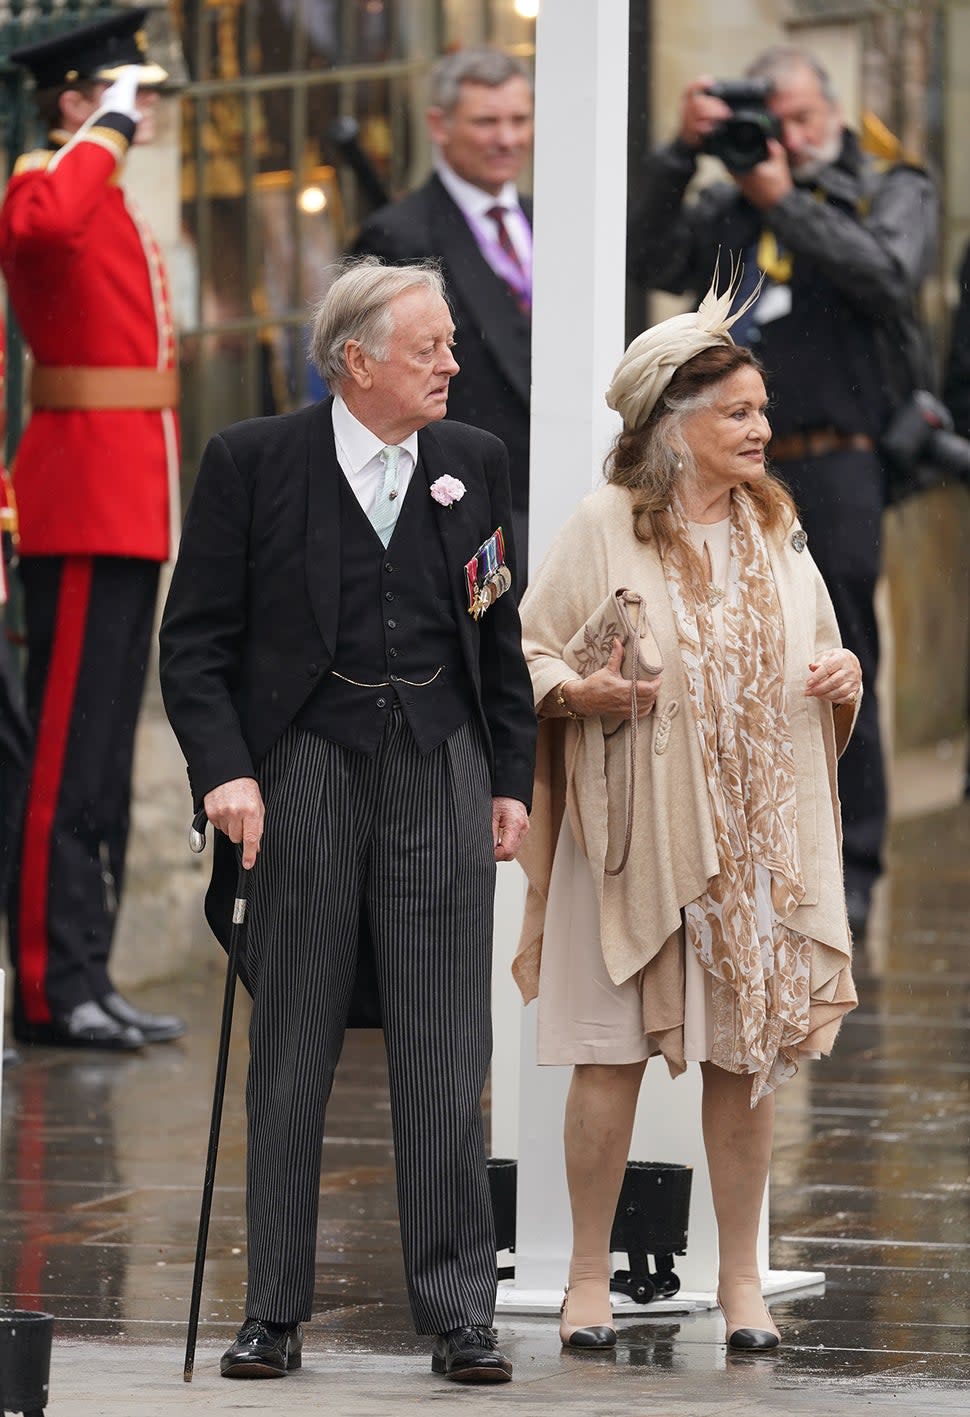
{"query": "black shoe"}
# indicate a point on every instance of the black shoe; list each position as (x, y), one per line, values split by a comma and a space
(857, 909)
(753, 1340)
(154, 1028)
(470, 1355)
(86, 1026)
(263, 1350)
(749, 1340)
(592, 1336)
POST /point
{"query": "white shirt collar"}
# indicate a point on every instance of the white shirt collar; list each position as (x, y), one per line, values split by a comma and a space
(472, 200)
(359, 444)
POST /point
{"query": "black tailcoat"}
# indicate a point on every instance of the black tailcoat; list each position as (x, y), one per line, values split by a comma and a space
(251, 619)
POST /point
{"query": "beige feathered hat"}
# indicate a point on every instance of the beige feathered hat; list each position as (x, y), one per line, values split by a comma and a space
(655, 356)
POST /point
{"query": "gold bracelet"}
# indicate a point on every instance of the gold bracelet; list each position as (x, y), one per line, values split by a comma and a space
(561, 701)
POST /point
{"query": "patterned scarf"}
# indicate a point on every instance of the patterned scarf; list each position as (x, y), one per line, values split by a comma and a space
(759, 967)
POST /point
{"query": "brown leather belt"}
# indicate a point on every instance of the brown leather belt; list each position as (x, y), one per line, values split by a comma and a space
(67, 386)
(816, 442)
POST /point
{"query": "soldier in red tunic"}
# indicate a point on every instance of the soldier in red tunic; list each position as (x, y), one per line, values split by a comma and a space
(94, 476)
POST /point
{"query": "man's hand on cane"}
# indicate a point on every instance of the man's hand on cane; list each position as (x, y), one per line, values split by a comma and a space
(236, 808)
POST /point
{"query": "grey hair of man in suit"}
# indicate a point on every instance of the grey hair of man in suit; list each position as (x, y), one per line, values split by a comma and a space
(357, 307)
(482, 65)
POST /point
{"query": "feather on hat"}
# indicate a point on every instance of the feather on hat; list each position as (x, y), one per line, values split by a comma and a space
(654, 357)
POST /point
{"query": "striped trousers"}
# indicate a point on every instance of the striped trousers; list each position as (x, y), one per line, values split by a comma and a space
(407, 838)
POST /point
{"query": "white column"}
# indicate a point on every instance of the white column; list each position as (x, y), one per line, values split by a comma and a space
(578, 312)
(578, 337)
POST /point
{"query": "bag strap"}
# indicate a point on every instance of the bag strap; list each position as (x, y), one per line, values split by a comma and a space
(625, 599)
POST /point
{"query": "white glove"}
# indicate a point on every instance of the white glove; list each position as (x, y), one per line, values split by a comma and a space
(120, 97)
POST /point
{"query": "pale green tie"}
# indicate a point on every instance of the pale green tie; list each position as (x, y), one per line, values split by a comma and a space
(383, 514)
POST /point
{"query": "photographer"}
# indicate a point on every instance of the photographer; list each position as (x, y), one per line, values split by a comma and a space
(843, 246)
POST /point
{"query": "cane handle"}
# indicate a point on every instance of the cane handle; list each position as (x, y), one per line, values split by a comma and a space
(197, 831)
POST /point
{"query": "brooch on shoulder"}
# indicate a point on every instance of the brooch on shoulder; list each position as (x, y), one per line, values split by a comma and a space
(799, 539)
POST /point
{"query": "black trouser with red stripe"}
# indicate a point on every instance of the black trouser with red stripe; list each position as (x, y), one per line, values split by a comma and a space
(14, 757)
(89, 625)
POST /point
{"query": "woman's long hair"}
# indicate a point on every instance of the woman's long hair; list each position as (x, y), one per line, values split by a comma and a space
(653, 461)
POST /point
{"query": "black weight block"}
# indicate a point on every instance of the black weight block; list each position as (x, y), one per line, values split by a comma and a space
(654, 1208)
(25, 1359)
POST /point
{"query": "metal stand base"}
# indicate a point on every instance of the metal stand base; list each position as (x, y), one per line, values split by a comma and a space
(547, 1301)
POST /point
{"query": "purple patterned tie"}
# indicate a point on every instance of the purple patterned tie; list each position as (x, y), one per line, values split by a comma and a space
(498, 214)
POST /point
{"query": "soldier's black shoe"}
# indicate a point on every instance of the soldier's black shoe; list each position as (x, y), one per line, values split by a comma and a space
(263, 1350)
(155, 1028)
(86, 1026)
(470, 1355)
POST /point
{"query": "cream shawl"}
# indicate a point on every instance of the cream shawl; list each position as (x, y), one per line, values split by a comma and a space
(674, 852)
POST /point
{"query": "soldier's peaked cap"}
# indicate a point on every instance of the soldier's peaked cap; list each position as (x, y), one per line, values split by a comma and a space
(98, 51)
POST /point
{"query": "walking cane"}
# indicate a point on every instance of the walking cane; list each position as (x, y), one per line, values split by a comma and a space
(197, 844)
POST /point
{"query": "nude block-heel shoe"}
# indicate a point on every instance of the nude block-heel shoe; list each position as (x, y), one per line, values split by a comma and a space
(595, 1336)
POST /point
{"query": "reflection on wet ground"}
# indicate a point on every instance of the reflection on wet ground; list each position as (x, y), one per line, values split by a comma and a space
(102, 1160)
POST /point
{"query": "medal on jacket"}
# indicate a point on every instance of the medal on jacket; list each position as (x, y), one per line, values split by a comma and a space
(486, 575)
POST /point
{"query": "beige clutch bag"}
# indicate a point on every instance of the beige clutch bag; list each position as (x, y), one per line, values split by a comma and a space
(622, 616)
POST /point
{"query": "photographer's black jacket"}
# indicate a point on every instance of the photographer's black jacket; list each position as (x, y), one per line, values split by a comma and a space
(956, 387)
(862, 240)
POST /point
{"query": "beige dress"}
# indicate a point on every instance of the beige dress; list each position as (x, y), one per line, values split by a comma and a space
(583, 1016)
(674, 857)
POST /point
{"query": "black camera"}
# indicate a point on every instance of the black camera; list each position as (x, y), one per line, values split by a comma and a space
(741, 141)
(921, 448)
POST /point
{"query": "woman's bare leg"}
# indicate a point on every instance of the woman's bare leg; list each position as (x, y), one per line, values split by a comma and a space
(600, 1112)
(738, 1143)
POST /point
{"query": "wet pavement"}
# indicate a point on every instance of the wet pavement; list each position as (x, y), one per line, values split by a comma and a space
(101, 1171)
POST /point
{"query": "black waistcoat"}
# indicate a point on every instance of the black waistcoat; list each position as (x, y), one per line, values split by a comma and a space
(397, 638)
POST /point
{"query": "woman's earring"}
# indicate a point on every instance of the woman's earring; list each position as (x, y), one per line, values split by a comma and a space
(679, 465)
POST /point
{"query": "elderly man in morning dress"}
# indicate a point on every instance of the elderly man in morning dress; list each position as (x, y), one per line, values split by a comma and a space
(723, 939)
(345, 717)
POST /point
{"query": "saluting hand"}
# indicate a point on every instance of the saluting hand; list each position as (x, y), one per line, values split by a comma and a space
(606, 693)
(236, 808)
(122, 96)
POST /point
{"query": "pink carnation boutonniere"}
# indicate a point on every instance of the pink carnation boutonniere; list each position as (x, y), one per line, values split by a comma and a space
(446, 490)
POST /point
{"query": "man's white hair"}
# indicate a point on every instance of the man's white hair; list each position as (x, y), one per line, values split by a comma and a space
(358, 307)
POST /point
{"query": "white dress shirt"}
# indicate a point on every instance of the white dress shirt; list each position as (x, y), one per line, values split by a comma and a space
(475, 204)
(359, 456)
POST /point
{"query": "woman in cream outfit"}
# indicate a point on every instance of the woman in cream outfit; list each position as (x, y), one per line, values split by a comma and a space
(724, 939)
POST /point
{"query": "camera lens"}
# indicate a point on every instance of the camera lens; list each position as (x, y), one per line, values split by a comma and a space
(742, 144)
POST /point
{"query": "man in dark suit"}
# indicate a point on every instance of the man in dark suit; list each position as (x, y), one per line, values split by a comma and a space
(469, 217)
(318, 657)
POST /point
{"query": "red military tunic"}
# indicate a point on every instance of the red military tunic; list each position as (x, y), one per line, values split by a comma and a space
(86, 281)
